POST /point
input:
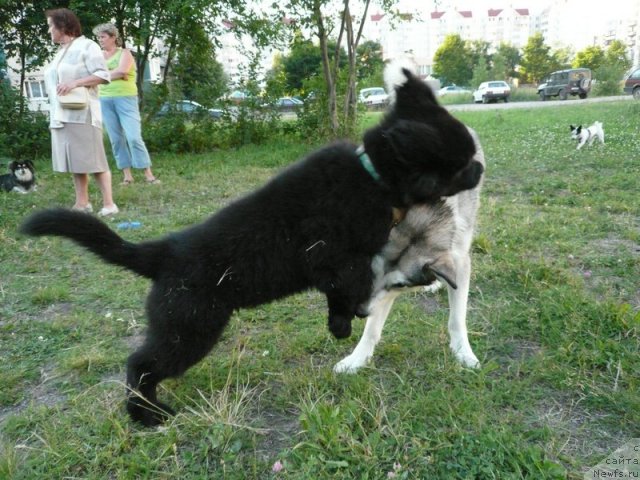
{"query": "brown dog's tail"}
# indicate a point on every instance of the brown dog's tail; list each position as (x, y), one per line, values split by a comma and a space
(145, 259)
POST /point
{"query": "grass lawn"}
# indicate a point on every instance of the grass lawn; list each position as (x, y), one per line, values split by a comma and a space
(553, 317)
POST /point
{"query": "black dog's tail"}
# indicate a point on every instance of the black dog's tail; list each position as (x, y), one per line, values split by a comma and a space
(145, 259)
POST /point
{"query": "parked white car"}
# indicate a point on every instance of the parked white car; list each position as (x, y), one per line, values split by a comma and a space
(373, 97)
(492, 91)
(453, 89)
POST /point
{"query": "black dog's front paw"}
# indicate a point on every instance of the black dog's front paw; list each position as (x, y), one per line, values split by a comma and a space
(340, 326)
(147, 413)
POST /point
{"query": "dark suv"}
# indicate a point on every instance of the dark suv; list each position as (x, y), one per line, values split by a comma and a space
(632, 84)
(576, 81)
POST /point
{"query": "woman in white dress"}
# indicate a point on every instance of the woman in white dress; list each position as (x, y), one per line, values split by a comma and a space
(76, 134)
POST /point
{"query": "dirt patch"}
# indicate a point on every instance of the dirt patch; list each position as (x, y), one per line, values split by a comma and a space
(430, 303)
(135, 341)
(512, 355)
(601, 280)
(49, 314)
(44, 393)
(280, 427)
(577, 426)
(522, 350)
(611, 245)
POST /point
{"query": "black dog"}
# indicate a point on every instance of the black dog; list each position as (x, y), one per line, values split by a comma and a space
(316, 225)
(21, 177)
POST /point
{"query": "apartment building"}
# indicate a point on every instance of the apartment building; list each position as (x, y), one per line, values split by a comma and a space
(420, 29)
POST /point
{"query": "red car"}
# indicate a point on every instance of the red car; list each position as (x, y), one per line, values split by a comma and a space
(632, 84)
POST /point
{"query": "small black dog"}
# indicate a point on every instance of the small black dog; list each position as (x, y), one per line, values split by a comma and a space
(21, 177)
(318, 225)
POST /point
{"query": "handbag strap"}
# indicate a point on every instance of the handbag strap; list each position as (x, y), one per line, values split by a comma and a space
(66, 49)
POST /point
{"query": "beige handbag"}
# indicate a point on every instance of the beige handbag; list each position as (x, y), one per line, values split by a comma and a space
(77, 98)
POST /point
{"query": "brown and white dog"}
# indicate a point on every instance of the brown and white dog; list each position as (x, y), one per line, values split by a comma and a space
(430, 245)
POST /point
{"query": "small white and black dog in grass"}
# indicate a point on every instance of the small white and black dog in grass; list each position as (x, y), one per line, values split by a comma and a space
(589, 134)
(21, 177)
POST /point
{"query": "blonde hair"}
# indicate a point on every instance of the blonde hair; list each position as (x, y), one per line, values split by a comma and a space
(110, 29)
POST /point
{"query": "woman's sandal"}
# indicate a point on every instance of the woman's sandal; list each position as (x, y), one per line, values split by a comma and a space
(86, 209)
(153, 181)
(126, 182)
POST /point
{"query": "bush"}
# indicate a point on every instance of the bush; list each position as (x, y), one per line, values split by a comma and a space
(166, 134)
(455, 99)
(524, 94)
(253, 124)
(178, 133)
(608, 80)
(313, 120)
(23, 134)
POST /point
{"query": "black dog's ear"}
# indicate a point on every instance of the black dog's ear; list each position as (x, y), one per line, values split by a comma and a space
(413, 141)
(413, 92)
(572, 127)
(465, 179)
(431, 187)
(29, 163)
(422, 189)
(579, 129)
(13, 165)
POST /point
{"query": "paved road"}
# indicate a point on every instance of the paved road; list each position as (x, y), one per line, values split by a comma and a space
(535, 104)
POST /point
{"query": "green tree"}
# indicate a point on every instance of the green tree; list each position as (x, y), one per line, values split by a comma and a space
(592, 57)
(197, 74)
(345, 26)
(478, 49)
(480, 73)
(536, 60)
(141, 21)
(509, 56)
(452, 61)
(22, 135)
(561, 59)
(616, 54)
(370, 64)
(173, 21)
(610, 73)
(25, 37)
(499, 69)
(303, 62)
(276, 78)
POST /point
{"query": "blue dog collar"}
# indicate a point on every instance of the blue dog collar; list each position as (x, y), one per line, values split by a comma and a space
(367, 164)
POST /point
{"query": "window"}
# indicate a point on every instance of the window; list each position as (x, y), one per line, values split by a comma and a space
(35, 89)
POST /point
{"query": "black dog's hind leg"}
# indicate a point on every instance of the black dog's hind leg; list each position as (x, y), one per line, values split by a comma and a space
(349, 290)
(170, 348)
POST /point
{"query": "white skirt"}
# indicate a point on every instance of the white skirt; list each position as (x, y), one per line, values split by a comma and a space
(78, 148)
